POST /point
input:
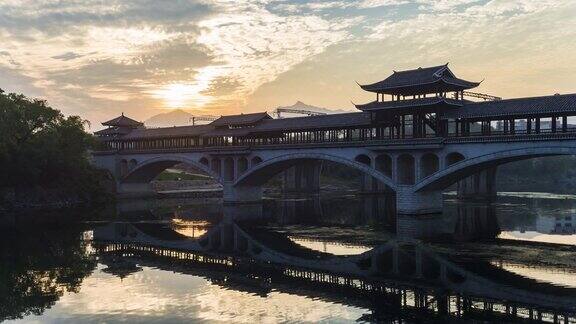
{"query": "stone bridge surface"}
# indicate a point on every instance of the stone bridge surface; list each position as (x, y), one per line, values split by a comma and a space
(417, 171)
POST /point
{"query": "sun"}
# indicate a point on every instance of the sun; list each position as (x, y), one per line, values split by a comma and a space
(177, 95)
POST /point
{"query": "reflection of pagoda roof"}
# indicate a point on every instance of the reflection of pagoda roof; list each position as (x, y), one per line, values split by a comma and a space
(119, 267)
(418, 81)
(422, 103)
(122, 121)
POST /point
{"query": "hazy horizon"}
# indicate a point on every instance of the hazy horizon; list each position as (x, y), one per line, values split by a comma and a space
(97, 59)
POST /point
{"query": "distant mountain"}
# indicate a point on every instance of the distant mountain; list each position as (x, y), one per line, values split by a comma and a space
(302, 106)
(179, 117)
(176, 117)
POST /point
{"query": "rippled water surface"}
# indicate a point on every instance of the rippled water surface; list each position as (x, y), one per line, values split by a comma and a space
(345, 259)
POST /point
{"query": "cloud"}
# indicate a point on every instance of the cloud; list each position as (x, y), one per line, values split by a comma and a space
(95, 57)
(67, 56)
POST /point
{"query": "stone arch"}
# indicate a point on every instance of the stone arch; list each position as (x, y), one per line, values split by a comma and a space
(132, 164)
(384, 164)
(406, 169)
(453, 158)
(429, 164)
(261, 173)
(149, 169)
(465, 168)
(216, 166)
(123, 168)
(255, 160)
(228, 169)
(364, 159)
(241, 165)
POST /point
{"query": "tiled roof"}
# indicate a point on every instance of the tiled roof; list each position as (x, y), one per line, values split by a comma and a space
(114, 131)
(122, 121)
(239, 120)
(421, 80)
(409, 103)
(315, 122)
(516, 107)
(266, 125)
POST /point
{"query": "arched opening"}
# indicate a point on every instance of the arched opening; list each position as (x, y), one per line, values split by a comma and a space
(168, 176)
(256, 160)
(228, 169)
(123, 168)
(384, 164)
(516, 163)
(132, 164)
(406, 169)
(204, 161)
(429, 164)
(242, 165)
(216, 166)
(304, 164)
(453, 158)
(364, 159)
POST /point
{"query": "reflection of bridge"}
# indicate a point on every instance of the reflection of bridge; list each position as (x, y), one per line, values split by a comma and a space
(418, 275)
(417, 144)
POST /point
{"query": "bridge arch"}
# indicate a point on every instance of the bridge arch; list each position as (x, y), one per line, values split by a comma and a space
(469, 166)
(364, 159)
(262, 172)
(429, 164)
(406, 169)
(147, 170)
(256, 160)
(384, 164)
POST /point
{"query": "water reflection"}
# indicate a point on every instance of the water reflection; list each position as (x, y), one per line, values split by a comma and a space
(347, 259)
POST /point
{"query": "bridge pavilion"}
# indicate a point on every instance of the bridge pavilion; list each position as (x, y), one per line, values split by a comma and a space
(421, 122)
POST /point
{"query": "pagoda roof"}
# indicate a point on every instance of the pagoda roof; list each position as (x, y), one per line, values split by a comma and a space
(122, 121)
(240, 120)
(112, 131)
(433, 79)
(421, 104)
(556, 104)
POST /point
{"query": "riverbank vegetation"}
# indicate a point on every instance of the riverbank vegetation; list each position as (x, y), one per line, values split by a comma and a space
(44, 156)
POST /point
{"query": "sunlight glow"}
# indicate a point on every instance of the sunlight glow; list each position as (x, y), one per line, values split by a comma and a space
(176, 95)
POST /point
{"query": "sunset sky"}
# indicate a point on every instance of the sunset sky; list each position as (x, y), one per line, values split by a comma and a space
(98, 58)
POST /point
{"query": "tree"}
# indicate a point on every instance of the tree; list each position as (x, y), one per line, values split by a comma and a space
(39, 146)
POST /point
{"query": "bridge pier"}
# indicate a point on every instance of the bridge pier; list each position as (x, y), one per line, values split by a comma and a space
(134, 190)
(302, 178)
(409, 202)
(241, 194)
(480, 186)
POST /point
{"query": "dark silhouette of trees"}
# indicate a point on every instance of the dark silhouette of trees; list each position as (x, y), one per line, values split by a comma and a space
(39, 146)
(38, 267)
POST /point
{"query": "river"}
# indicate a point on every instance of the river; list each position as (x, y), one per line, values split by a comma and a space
(338, 258)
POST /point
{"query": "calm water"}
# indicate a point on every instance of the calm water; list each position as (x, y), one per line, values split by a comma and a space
(336, 259)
